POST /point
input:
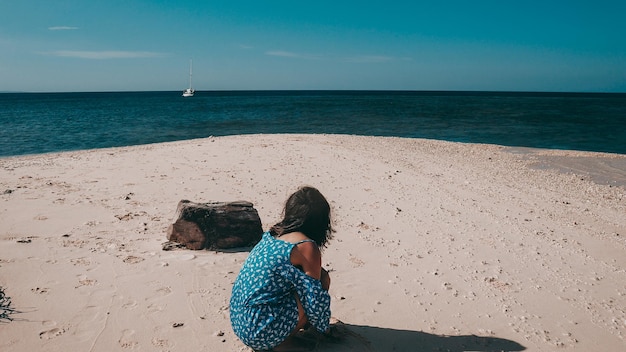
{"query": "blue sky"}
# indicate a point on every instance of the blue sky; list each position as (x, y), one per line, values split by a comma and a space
(114, 45)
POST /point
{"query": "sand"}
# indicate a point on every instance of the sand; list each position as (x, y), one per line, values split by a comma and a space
(439, 246)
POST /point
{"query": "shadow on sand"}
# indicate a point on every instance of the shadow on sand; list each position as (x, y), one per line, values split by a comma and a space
(368, 338)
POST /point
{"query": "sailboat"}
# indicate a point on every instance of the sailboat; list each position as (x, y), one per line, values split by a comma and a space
(189, 91)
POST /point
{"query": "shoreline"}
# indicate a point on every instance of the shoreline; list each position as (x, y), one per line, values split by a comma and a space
(513, 247)
(601, 167)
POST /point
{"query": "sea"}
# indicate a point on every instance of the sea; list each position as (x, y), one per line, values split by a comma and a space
(35, 123)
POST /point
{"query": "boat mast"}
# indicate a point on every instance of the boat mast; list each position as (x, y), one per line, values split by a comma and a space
(190, 65)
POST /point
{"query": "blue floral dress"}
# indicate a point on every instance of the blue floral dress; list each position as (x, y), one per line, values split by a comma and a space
(263, 308)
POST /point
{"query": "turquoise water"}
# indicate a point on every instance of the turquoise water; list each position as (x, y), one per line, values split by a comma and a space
(35, 123)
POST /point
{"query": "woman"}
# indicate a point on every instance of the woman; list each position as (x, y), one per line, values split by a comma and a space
(282, 287)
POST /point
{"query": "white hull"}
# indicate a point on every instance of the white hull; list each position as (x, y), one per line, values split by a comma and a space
(189, 91)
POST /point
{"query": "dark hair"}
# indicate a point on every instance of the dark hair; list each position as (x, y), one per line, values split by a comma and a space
(306, 211)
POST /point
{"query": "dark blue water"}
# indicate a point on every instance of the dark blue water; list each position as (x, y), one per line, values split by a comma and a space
(35, 123)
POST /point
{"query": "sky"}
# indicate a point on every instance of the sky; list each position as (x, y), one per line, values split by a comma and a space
(141, 45)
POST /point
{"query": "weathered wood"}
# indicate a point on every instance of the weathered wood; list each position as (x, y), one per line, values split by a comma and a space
(215, 225)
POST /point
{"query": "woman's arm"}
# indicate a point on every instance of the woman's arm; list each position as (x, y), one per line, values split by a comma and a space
(308, 256)
(315, 301)
(325, 279)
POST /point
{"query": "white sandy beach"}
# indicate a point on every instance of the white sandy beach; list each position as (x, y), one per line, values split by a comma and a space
(438, 247)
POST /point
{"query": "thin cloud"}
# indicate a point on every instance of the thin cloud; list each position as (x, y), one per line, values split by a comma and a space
(282, 53)
(62, 28)
(105, 55)
(358, 59)
(289, 54)
(370, 59)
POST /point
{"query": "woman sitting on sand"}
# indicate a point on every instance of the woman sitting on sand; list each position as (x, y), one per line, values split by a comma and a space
(282, 287)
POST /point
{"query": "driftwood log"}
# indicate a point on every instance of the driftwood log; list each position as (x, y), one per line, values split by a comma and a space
(215, 225)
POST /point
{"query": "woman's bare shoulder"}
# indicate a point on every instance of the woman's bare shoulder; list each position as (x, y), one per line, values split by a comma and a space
(294, 237)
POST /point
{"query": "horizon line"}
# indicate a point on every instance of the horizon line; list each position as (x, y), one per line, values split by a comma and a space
(213, 91)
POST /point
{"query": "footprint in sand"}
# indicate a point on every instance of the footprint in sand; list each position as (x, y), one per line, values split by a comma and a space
(84, 281)
(154, 308)
(157, 342)
(164, 290)
(131, 259)
(127, 341)
(52, 333)
(130, 304)
(40, 290)
(48, 323)
(357, 262)
(81, 261)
